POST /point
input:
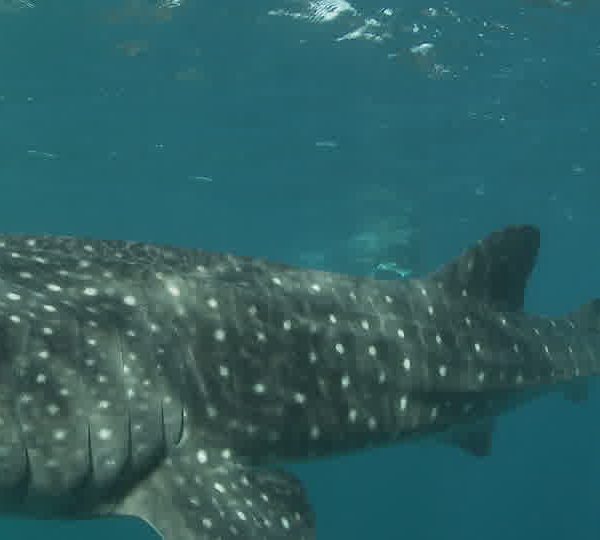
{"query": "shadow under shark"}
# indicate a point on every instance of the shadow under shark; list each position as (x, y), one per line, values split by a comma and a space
(167, 384)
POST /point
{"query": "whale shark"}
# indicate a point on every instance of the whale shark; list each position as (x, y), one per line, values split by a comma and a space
(173, 384)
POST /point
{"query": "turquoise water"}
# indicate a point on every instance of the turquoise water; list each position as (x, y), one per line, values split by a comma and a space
(340, 136)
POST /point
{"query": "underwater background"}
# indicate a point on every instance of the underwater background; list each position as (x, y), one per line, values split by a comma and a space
(360, 137)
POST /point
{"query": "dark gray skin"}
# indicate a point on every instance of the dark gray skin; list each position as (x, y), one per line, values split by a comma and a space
(158, 382)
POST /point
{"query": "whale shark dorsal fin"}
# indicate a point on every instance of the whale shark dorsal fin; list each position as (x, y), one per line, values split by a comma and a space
(495, 270)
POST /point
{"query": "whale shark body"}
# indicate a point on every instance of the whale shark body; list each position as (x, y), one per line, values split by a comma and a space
(170, 384)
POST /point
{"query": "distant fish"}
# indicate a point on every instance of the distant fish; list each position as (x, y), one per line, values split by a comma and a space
(206, 179)
(156, 382)
(41, 154)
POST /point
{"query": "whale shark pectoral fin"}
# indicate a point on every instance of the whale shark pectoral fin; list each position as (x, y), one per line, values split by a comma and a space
(200, 495)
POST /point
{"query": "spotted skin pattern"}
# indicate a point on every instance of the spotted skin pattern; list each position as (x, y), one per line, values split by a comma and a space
(168, 384)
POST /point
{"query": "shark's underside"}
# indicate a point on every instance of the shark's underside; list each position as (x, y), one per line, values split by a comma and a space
(168, 384)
